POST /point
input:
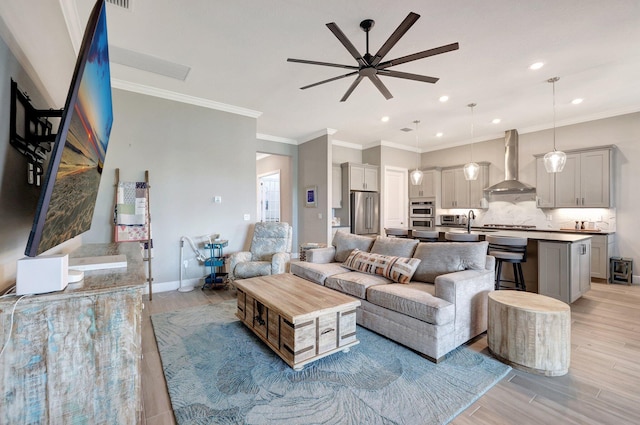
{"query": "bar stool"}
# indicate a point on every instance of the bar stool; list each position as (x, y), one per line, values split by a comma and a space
(397, 232)
(510, 250)
(425, 235)
(461, 237)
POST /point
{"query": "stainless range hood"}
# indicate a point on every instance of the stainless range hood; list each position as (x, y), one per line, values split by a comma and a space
(510, 184)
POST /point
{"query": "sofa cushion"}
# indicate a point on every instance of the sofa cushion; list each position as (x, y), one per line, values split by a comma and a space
(415, 300)
(355, 283)
(315, 272)
(398, 269)
(400, 247)
(347, 242)
(446, 257)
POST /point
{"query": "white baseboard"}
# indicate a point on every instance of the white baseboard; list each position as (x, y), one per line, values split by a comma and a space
(174, 285)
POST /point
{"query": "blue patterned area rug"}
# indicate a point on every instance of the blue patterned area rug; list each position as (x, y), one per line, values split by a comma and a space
(219, 372)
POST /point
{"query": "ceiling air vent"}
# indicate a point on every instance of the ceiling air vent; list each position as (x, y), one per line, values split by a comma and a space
(125, 4)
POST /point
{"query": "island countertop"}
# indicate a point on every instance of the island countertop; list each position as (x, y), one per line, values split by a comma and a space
(547, 236)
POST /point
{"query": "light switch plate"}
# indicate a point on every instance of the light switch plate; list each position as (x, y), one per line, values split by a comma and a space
(247, 217)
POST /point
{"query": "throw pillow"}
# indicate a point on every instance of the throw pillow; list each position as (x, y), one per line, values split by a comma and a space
(398, 269)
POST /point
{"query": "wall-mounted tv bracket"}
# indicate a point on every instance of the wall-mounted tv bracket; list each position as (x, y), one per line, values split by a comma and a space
(30, 132)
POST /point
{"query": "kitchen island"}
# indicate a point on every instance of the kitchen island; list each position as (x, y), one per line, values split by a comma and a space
(558, 264)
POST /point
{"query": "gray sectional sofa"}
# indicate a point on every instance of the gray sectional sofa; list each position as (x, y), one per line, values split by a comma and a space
(443, 303)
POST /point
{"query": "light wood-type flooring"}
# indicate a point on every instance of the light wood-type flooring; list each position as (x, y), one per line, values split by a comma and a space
(602, 386)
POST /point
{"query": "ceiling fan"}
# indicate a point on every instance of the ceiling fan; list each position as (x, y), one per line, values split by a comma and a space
(371, 66)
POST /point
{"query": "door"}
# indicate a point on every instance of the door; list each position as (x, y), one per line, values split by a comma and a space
(545, 186)
(395, 197)
(568, 183)
(269, 197)
(594, 179)
(448, 189)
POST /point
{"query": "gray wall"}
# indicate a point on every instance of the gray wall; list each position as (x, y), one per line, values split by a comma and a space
(315, 161)
(192, 155)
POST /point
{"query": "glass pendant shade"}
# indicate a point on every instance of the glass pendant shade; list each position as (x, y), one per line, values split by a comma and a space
(471, 171)
(416, 177)
(554, 161)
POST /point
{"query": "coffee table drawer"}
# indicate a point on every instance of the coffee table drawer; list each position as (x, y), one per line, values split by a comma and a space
(297, 342)
(327, 332)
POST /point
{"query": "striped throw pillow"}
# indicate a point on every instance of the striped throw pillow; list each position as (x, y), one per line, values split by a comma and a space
(398, 269)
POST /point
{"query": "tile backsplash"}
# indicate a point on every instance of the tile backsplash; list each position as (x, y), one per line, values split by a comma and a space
(521, 209)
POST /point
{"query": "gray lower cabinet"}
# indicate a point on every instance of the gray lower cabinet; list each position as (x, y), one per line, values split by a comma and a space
(566, 274)
(601, 250)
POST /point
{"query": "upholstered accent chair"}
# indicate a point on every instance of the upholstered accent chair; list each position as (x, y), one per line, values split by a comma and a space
(270, 252)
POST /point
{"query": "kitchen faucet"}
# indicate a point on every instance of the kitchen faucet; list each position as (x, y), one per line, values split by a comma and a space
(472, 216)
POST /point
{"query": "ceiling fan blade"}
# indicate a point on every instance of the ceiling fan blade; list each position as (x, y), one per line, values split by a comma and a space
(420, 55)
(380, 85)
(407, 76)
(335, 65)
(329, 80)
(346, 43)
(351, 88)
(395, 37)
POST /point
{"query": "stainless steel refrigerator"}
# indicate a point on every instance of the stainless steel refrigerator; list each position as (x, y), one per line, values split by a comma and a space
(365, 213)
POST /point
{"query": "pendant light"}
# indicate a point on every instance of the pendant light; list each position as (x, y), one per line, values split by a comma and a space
(472, 169)
(554, 161)
(416, 175)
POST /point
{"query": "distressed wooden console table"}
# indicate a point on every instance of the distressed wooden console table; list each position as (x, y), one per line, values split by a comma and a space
(74, 355)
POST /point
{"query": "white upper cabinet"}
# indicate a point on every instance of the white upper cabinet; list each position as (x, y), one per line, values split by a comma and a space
(457, 192)
(427, 189)
(585, 181)
(361, 176)
(545, 186)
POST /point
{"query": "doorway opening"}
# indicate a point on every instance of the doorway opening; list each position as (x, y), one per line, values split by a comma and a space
(269, 197)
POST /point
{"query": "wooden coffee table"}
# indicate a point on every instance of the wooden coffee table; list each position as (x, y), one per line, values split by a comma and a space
(301, 321)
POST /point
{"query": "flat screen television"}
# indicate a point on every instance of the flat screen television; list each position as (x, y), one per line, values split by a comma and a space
(70, 188)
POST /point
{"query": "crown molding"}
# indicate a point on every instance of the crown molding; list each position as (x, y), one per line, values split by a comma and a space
(183, 98)
(277, 139)
(344, 144)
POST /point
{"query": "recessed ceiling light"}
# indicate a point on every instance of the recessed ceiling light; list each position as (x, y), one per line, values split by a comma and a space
(443, 98)
(384, 119)
(496, 121)
(535, 66)
(577, 101)
(439, 134)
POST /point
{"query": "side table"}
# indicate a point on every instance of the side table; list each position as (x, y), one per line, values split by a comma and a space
(216, 278)
(530, 332)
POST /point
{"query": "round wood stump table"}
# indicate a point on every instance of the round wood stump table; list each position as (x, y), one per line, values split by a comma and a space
(530, 332)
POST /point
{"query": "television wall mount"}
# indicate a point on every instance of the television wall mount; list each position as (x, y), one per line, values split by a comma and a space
(30, 131)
